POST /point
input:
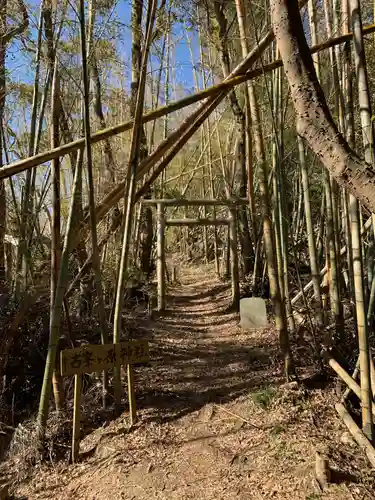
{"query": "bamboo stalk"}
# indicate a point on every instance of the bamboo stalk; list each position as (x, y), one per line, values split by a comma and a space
(240, 130)
(209, 157)
(25, 212)
(131, 395)
(268, 235)
(241, 18)
(57, 382)
(347, 77)
(55, 319)
(368, 141)
(362, 79)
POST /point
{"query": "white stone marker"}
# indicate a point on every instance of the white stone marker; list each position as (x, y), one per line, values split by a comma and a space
(253, 313)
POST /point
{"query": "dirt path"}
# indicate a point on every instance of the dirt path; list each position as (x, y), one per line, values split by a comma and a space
(212, 423)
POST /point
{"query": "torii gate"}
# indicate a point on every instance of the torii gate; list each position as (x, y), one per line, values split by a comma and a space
(162, 222)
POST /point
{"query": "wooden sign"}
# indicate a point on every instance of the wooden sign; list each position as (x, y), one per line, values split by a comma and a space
(99, 357)
(96, 358)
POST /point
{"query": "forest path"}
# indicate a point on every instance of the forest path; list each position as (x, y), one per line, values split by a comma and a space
(212, 423)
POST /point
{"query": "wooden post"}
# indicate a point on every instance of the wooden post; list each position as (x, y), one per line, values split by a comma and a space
(131, 395)
(76, 417)
(160, 256)
(234, 259)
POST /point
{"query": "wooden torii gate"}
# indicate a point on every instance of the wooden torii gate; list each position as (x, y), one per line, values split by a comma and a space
(163, 222)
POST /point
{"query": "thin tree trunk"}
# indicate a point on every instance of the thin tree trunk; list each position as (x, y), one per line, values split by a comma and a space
(279, 172)
(315, 275)
(311, 5)
(241, 16)
(146, 219)
(90, 176)
(330, 193)
(21, 249)
(210, 161)
(278, 304)
(58, 386)
(241, 137)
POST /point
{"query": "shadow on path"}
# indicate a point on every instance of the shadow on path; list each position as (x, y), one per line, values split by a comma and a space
(200, 355)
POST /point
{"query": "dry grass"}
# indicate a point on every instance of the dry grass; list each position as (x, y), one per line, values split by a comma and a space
(215, 421)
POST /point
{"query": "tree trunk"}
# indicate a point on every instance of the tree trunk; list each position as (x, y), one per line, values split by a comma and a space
(314, 119)
(146, 219)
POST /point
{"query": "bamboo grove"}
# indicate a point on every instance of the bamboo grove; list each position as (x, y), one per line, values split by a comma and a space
(279, 112)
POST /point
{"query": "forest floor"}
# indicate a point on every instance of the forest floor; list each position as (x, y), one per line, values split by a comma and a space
(215, 420)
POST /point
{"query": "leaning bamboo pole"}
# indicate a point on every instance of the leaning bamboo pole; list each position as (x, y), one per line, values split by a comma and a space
(243, 76)
(356, 432)
(56, 314)
(129, 193)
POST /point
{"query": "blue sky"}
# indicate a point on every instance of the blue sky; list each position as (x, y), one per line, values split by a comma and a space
(20, 67)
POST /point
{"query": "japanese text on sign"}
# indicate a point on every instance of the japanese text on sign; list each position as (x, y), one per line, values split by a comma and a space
(96, 358)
